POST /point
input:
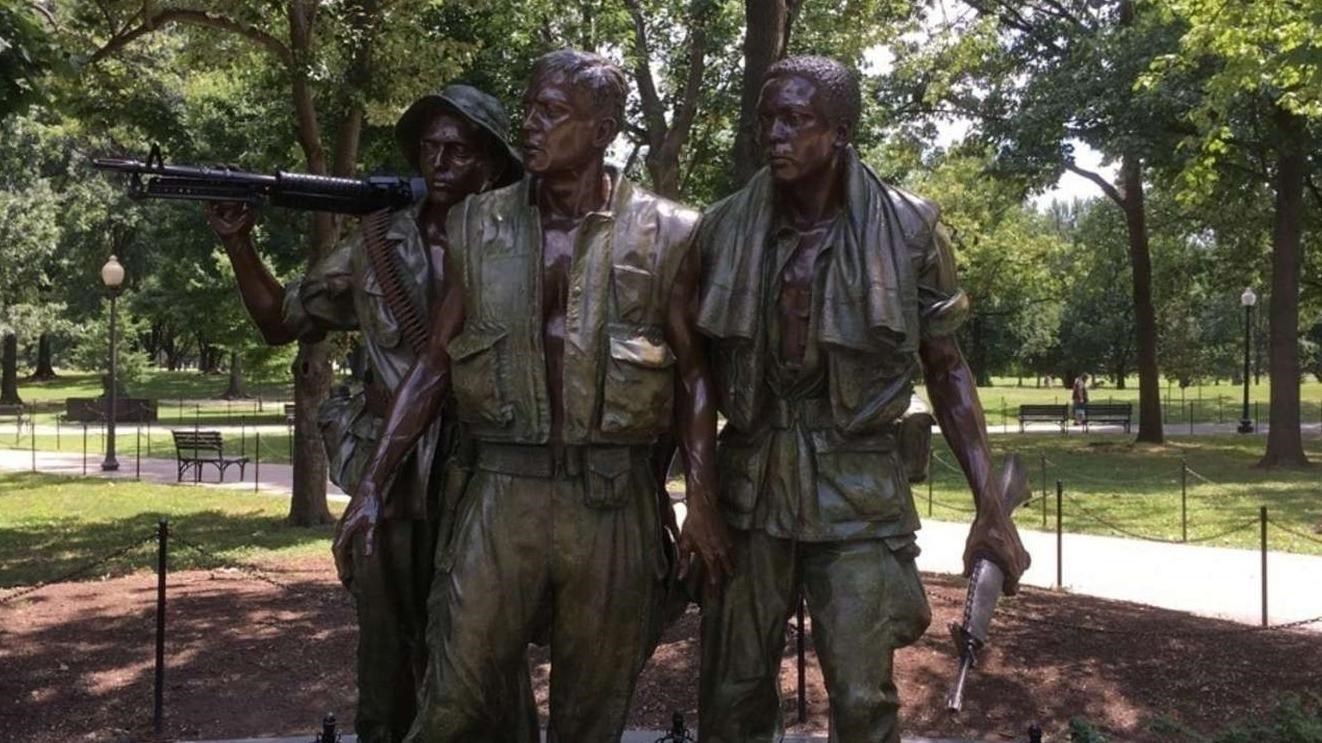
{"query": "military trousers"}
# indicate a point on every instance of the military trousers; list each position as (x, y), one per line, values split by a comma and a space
(865, 601)
(390, 590)
(572, 540)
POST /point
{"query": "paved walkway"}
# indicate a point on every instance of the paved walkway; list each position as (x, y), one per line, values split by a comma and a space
(1209, 581)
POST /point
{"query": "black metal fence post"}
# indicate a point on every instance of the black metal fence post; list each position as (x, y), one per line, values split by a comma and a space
(84, 448)
(162, 552)
(930, 476)
(1060, 540)
(1262, 522)
(1184, 499)
(803, 664)
(137, 450)
(257, 459)
(1044, 491)
(32, 421)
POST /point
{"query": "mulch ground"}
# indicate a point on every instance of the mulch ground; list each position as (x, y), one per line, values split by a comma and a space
(247, 658)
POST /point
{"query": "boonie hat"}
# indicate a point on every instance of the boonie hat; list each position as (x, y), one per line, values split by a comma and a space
(478, 108)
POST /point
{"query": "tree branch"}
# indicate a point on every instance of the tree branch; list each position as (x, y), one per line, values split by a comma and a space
(198, 18)
(1107, 187)
(653, 108)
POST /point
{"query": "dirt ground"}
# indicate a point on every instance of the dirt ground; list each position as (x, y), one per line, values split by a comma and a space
(247, 658)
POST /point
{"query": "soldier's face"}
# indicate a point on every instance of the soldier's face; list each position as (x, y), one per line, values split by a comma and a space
(562, 132)
(796, 132)
(454, 160)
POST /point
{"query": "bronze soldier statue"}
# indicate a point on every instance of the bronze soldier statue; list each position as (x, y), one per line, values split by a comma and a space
(566, 335)
(458, 140)
(823, 289)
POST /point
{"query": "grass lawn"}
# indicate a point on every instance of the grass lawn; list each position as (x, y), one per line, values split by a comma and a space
(159, 385)
(1111, 482)
(51, 525)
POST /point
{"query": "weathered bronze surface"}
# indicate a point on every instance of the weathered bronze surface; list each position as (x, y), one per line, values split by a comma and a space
(457, 139)
(567, 337)
(825, 291)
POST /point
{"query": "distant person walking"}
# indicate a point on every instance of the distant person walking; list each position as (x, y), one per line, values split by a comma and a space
(1080, 395)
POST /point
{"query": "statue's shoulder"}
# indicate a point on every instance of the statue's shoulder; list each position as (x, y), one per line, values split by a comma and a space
(670, 215)
(917, 216)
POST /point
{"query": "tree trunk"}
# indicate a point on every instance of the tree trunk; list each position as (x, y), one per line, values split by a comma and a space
(234, 390)
(766, 32)
(9, 377)
(312, 381)
(1145, 316)
(1285, 444)
(44, 371)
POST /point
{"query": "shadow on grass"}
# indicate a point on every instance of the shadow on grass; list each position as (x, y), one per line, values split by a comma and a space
(48, 550)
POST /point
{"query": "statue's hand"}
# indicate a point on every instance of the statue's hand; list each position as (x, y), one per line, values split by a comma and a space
(704, 534)
(231, 220)
(361, 517)
(995, 537)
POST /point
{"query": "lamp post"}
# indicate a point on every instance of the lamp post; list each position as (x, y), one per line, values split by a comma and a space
(112, 275)
(1248, 299)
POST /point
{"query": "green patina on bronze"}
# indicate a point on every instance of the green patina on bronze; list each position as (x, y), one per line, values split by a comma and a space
(618, 371)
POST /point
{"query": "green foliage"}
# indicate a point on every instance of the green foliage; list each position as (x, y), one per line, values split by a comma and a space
(27, 54)
(91, 345)
(1082, 731)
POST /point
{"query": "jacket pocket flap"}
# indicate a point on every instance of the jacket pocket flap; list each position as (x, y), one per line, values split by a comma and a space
(831, 441)
(632, 345)
(472, 342)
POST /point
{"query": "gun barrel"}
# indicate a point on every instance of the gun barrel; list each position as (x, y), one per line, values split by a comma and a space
(154, 179)
(955, 701)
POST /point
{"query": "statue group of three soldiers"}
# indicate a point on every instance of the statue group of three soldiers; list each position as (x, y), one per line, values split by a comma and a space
(504, 473)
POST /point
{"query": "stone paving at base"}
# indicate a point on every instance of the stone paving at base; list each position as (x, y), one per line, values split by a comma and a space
(629, 737)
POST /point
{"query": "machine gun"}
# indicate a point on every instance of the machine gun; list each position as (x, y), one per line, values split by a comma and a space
(985, 586)
(154, 179)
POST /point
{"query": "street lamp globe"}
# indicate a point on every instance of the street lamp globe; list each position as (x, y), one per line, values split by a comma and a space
(112, 274)
(1248, 298)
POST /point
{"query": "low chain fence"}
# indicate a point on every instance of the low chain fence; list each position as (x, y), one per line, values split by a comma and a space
(166, 539)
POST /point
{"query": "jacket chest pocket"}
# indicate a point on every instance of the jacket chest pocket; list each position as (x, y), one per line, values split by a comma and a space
(379, 322)
(637, 394)
(479, 368)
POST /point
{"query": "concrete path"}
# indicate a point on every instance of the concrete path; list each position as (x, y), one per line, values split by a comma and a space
(1209, 581)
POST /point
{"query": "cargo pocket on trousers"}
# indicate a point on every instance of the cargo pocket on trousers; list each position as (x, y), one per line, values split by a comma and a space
(609, 478)
(478, 371)
(637, 394)
(907, 612)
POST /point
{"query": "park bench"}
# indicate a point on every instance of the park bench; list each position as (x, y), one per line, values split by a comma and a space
(195, 448)
(1058, 414)
(291, 412)
(1108, 413)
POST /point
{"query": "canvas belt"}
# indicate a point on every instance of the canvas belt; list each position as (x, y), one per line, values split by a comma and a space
(540, 460)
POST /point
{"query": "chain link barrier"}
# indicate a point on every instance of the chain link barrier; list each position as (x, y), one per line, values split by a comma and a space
(1161, 540)
(222, 563)
(1293, 532)
(77, 572)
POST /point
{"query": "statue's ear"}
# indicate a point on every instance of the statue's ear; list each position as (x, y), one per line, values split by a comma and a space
(844, 134)
(607, 129)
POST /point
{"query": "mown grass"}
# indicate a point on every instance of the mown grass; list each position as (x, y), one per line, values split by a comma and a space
(51, 525)
(1112, 485)
(157, 385)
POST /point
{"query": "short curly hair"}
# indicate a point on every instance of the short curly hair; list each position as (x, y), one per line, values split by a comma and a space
(603, 80)
(836, 84)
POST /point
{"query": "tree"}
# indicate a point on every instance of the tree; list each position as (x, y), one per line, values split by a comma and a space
(1034, 78)
(1263, 100)
(27, 53)
(343, 65)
